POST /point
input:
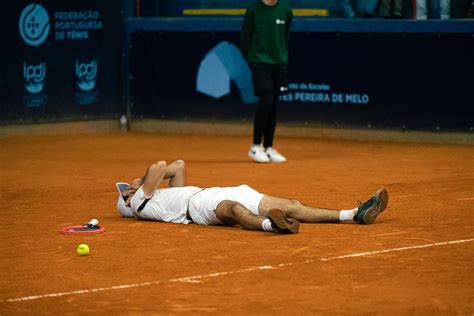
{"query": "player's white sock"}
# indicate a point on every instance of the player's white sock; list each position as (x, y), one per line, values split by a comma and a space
(347, 215)
(267, 225)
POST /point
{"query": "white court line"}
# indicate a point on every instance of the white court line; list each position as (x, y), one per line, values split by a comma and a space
(465, 199)
(197, 278)
(368, 253)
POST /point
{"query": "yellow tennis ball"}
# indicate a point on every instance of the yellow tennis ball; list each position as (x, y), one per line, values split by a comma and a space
(82, 250)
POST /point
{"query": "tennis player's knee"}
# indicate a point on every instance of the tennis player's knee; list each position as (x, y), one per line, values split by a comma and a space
(236, 209)
(227, 211)
(293, 206)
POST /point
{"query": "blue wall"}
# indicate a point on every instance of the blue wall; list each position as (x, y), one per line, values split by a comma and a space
(72, 72)
(387, 74)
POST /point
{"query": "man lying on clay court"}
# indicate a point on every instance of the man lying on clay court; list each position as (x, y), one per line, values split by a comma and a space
(230, 206)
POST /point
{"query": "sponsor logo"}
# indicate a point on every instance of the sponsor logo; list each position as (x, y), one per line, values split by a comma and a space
(76, 25)
(86, 79)
(86, 74)
(34, 77)
(320, 93)
(34, 24)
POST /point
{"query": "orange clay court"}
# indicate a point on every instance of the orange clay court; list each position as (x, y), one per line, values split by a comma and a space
(418, 257)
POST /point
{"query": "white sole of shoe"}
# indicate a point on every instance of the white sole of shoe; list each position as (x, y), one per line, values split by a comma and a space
(251, 156)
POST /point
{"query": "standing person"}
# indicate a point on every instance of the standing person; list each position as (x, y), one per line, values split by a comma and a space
(264, 44)
(241, 205)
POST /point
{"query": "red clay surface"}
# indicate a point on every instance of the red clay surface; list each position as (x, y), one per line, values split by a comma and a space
(139, 267)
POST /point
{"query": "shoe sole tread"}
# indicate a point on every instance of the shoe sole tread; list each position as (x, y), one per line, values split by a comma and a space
(370, 216)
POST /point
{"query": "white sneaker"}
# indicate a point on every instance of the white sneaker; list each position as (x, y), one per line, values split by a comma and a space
(257, 153)
(274, 155)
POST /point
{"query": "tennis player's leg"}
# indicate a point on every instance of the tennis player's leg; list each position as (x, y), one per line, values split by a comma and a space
(365, 213)
(232, 213)
(295, 209)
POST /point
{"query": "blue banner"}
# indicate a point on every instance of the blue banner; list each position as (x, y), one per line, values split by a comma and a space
(415, 81)
(65, 61)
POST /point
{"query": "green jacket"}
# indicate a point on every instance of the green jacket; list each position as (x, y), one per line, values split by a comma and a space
(265, 34)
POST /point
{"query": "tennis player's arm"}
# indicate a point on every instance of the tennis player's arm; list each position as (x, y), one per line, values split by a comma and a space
(246, 33)
(153, 176)
(176, 173)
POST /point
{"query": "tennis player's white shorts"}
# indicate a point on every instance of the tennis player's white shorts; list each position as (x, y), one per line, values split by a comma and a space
(202, 205)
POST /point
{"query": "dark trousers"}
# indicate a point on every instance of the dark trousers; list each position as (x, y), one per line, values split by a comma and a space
(265, 118)
(268, 83)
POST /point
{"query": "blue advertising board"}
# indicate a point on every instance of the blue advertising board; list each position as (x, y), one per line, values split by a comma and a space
(393, 80)
(64, 61)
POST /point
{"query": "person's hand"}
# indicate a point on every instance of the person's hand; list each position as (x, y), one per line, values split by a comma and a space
(136, 184)
(127, 201)
(128, 194)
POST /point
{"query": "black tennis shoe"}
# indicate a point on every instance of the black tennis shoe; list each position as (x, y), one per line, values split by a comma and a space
(369, 210)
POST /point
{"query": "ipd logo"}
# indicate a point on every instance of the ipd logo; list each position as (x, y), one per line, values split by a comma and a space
(86, 74)
(34, 77)
(34, 24)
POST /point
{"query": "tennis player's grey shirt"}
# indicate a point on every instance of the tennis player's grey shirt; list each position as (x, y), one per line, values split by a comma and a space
(164, 205)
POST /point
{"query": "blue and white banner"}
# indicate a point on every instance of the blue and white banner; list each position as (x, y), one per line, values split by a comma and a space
(65, 60)
(334, 79)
